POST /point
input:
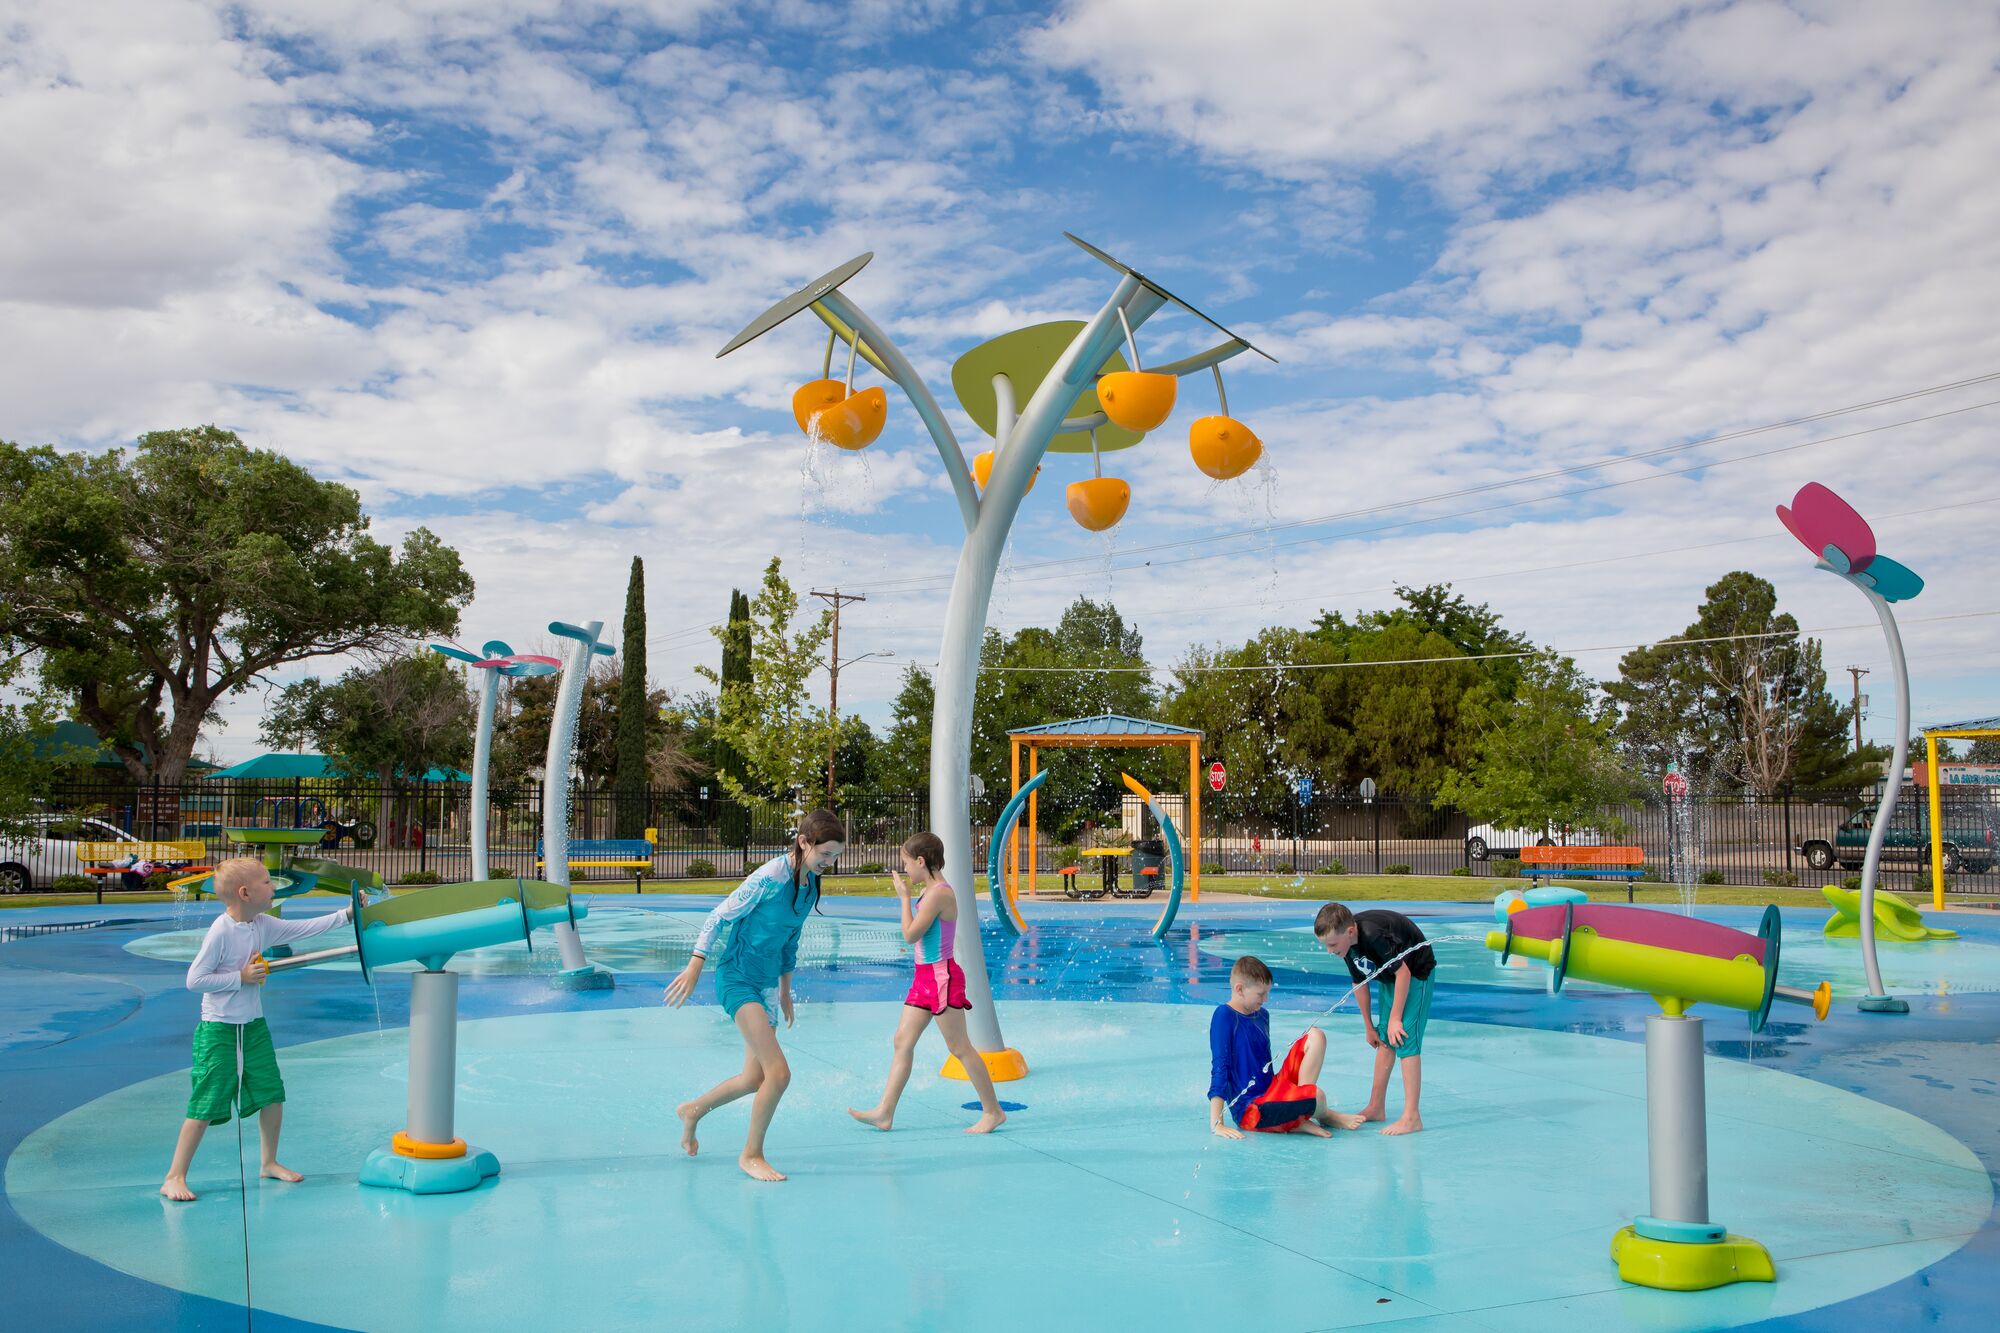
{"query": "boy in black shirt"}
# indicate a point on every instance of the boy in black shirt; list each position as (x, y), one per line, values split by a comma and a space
(1376, 937)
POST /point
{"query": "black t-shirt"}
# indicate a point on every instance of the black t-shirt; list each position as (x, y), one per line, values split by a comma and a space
(1383, 934)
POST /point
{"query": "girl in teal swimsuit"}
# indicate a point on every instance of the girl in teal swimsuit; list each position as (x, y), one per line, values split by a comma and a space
(765, 916)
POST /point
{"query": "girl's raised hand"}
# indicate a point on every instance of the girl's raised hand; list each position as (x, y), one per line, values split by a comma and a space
(902, 886)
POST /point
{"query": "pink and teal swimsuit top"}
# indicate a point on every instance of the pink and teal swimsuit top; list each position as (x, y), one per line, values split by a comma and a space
(935, 944)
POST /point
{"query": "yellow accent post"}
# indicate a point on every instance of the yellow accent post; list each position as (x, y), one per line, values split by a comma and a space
(1194, 819)
(1034, 813)
(1937, 823)
(1014, 834)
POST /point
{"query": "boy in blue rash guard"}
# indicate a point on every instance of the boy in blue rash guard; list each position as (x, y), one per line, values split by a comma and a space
(765, 916)
(1241, 1083)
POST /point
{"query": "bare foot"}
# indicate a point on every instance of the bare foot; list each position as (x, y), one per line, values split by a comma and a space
(875, 1118)
(176, 1188)
(758, 1169)
(689, 1119)
(1342, 1120)
(279, 1171)
(1313, 1128)
(989, 1122)
(1407, 1124)
(1374, 1111)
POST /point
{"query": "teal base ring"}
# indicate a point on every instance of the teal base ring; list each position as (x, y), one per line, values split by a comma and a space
(1883, 1004)
(582, 978)
(1680, 1233)
(390, 1170)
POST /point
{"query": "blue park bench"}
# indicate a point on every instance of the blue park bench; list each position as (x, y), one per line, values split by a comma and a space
(1626, 863)
(634, 854)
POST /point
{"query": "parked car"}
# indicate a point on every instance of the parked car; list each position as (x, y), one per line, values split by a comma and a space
(1486, 840)
(48, 849)
(1971, 837)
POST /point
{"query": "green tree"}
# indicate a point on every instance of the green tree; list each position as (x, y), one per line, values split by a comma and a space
(768, 721)
(30, 762)
(1545, 757)
(1740, 697)
(521, 731)
(636, 715)
(151, 585)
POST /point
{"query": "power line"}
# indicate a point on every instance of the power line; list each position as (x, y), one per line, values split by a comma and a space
(1457, 657)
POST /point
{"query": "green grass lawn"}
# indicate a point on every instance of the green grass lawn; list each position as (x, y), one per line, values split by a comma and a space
(1355, 888)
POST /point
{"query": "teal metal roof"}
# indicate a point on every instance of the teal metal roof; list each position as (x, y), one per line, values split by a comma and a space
(313, 766)
(1106, 724)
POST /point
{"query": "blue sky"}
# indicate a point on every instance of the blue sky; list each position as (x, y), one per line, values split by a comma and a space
(474, 257)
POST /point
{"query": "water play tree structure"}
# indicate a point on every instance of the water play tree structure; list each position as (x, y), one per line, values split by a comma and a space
(1845, 545)
(491, 662)
(426, 1156)
(1680, 961)
(1060, 387)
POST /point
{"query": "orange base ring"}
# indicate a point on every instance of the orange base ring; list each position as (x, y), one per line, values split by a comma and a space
(405, 1146)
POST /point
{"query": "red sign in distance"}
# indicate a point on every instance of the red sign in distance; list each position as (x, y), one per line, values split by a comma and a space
(1675, 785)
(1217, 775)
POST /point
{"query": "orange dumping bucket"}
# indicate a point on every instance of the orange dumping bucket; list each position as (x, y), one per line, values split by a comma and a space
(1223, 447)
(1098, 502)
(982, 469)
(1137, 399)
(813, 398)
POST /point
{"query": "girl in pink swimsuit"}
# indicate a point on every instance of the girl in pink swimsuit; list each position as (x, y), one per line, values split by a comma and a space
(930, 924)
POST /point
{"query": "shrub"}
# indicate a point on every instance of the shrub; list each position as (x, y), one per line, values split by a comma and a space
(73, 884)
(1507, 867)
(158, 881)
(1213, 868)
(1066, 855)
(1781, 879)
(700, 869)
(1712, 877)
(1924, 879)
(1400, 868)
(1650, 875)
(1852, 884)
(421, 877)
(1459, 870)
(1333, 867)
(872, 868)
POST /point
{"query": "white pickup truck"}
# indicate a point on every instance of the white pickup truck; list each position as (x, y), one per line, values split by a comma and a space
(49, 848)
(1486, 840)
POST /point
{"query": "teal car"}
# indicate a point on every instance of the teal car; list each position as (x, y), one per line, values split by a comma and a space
(1971, 831)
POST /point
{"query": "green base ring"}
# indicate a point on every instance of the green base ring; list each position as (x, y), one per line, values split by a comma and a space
(1883, 1004)
(582, 978)
(1680, 1233)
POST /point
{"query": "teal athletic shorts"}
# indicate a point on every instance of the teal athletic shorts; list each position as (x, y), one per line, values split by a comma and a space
(736, 991)
(218, 1093)
(1416, 1013)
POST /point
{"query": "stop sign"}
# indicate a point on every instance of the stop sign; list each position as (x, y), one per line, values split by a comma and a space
(1675, 786)
(1217, 775)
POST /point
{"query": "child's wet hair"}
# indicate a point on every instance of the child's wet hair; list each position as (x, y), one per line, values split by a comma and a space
(1332, 919)
(928, 848)
(1250, 971)
(822, 826)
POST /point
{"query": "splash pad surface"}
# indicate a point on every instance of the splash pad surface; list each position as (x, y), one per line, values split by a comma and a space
(1105, 1191)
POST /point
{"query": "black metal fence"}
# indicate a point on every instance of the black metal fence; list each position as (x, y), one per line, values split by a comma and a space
(423, 830)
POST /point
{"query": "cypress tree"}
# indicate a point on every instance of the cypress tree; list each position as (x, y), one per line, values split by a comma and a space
(630, 778)
(735, 672)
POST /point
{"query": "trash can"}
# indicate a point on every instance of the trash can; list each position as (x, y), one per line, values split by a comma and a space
(1148, 854)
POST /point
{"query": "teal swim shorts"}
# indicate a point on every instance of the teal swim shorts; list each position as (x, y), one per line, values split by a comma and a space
(1416, 1013)
(735, 991)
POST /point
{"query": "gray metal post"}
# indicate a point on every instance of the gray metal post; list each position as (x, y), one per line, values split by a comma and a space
(1676, 1119)
(482, 763)
(433, 1055)
(555, 783)
(1877, 1000)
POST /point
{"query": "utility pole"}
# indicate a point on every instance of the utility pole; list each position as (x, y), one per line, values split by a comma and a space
(833, 664)
(1857, 673)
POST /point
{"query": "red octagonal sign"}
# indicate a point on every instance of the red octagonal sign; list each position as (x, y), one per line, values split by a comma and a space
(1217, 775)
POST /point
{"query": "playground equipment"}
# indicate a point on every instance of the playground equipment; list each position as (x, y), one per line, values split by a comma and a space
(1894, 917)
(494, 660)
(426, 1156)
(1934, 778)
(1680, 961)
(1105, 730)
(1003, 894)
(291, 874)
(1509, 901)
(1844, 543)
(577, 973)
(1029, 404)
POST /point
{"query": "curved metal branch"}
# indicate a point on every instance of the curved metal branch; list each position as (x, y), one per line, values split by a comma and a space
(843, 316)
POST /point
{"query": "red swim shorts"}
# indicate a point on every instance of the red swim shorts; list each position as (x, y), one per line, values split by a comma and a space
(1287, 1101)
(937, 987)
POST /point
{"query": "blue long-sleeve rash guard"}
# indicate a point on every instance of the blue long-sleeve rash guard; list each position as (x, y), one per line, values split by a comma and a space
(1239, 1057)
